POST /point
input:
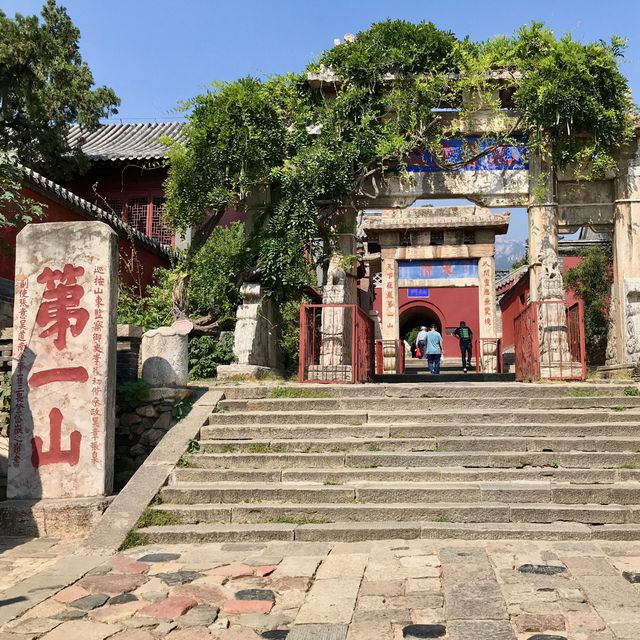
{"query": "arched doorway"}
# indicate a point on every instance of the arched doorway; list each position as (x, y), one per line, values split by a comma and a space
(415, 315)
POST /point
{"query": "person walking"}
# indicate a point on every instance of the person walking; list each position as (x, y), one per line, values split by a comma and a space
(421, 342)
(465, 337)
(434, 349)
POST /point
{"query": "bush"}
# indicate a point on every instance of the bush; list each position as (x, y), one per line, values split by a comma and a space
(206, 353)
(290, 332)
(154, 308)
(130, 395)
(591, 281)
(213, 287)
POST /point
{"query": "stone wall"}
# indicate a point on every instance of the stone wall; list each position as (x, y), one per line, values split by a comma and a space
(139, 428)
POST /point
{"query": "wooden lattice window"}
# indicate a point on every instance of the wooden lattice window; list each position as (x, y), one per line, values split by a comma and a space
(158, 231)
(137, 214)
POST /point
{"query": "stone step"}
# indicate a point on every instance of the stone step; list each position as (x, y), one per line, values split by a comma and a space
(498, 460)
(408, 430)
(289, 417)
(376, 403)
(448, 377)
(620, 493)
(417, 390)
(460, 443)
(559, 416)
(292, 431)
(395, 474)
(294, 513)
(355, 531)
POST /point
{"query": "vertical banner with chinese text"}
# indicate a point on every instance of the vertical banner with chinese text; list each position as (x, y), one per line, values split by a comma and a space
(64, 350)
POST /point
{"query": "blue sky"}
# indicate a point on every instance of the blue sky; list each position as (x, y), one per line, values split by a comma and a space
(155, 53)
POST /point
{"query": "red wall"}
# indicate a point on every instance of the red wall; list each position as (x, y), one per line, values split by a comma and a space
(122, 182)
(511, 306)
(516, 300)
(144, 260)
(450, 304)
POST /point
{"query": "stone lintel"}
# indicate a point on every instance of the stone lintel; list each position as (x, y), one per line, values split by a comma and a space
(489, 188)
(581, 215)
(439, 282)
(418, 218)
(438, 252)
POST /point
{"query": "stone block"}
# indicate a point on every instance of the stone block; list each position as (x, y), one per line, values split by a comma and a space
(171, 608)
(165, 358)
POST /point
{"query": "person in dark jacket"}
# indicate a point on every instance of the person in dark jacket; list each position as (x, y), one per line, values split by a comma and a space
(465, 336)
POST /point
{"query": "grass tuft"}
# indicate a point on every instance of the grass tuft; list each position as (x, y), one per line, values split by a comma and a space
(583, 393)
(154, 518)
(300, 392)
(631, 391)
(185, 463)
(134, 539)
(259, 447)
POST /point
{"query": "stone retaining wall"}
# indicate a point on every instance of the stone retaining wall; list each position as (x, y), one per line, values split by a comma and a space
(139, 429)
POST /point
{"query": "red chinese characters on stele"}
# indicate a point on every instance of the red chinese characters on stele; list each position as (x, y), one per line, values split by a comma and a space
(61, 318)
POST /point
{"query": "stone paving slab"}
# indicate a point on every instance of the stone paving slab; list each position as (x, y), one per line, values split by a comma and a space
(387, 590)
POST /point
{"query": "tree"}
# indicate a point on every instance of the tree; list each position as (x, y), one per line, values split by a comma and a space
(320, 151)
(45, 86)
(591, 281)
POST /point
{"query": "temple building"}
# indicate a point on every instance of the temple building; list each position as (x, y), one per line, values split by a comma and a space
(434, 265)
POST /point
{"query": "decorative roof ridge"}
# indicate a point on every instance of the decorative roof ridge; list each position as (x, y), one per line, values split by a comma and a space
(91, 210)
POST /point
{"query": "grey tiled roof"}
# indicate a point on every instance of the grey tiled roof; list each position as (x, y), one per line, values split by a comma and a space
(85, 208)
(117, 142)
(511, 276)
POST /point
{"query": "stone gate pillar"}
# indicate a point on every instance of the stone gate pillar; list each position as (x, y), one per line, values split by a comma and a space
(487, 345)
(337, 322)
(623, 346)
(545, 276)
(390, 321)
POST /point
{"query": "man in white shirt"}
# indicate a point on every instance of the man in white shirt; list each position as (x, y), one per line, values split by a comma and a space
(421, 341)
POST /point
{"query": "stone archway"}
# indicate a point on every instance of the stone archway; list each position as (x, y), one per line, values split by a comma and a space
(417, 313)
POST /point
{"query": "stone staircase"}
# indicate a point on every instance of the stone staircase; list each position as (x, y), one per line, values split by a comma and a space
(355, 462)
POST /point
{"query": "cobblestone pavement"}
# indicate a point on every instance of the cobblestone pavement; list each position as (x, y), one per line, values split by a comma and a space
(387, 590)
(21, 558)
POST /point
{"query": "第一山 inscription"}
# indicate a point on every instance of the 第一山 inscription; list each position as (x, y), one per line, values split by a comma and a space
(63, 382)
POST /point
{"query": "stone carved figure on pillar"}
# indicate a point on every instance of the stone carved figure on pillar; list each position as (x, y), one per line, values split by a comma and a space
(632, 315)
(550, 283)
(611, 354)
(341, 288)
(336, 274)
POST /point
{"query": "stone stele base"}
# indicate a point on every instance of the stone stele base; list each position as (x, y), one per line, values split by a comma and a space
(231, 371)
(60, 518)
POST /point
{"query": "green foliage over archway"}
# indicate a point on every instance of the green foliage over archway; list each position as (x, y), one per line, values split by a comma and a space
(396, 88)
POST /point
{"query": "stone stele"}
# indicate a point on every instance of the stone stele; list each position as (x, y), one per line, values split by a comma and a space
(64, 357)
